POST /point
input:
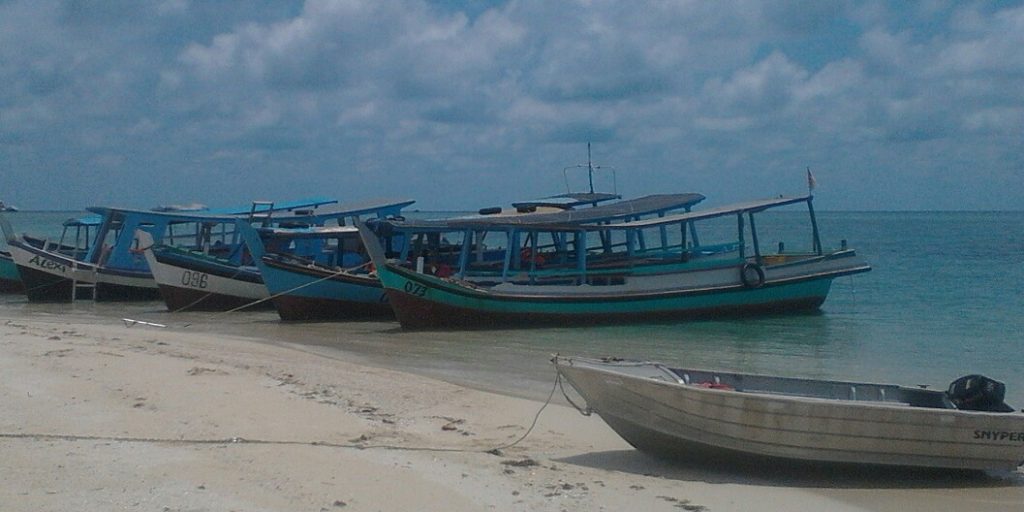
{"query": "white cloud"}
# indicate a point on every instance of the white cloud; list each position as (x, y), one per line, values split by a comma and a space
(420, 96)
(768, 85)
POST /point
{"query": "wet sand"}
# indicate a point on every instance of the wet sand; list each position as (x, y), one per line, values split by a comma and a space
(99, 416)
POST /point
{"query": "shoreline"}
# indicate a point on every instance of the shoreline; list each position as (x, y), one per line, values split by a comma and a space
(143, 419)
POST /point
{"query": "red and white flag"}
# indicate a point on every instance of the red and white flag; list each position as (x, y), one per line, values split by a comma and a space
(811, 182)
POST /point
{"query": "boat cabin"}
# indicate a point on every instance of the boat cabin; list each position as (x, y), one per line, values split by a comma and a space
(603, 245)
(210, 231)
(496, 249)
(303, 233)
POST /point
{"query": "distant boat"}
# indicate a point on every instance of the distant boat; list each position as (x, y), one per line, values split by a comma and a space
(198, 280)
(191, 207)
(705, 415)
(7, 207)
(606, 264)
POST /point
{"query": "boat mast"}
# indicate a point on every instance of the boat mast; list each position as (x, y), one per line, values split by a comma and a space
(590, 168)
(816, 237)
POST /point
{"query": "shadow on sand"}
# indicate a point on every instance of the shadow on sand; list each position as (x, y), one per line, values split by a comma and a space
(782, 473)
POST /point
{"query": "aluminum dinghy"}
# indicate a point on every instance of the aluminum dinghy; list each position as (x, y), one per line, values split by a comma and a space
(699, 413)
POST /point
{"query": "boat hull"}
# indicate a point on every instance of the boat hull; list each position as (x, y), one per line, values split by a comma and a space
(415, 312)
(179, 298)
(426, 302)
(10, 280)
(196, 284)
(670, 418)
(302, 293)
(294, 308)
(125, 286)
(51, 277)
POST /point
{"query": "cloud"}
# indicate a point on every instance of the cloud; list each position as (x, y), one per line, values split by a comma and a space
(453, 102)
(768, 85)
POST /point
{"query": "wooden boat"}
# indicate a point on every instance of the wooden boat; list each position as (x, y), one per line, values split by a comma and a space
(10, 281)
(73, 243)
(111, 267)
(198, 280)
(337, 285)
(194, 278)
(700, 413)
(340, 284)
(606, 264)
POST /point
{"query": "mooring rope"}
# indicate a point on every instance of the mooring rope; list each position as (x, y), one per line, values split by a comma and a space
(131, 322)
(330, 444)
(586, 411)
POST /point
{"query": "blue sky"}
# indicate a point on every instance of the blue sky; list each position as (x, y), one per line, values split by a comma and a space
(893, 105)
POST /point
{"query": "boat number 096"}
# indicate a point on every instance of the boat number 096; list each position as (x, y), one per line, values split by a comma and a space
(194, 279)
(415, 289)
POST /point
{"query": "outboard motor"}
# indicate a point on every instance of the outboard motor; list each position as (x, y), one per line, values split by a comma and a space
(978, 393)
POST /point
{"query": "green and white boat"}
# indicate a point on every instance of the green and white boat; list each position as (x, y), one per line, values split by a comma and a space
(606, 265)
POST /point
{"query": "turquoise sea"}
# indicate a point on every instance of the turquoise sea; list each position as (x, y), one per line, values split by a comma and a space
(945, 299)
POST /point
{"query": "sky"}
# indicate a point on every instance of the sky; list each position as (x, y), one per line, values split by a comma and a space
(475, 103)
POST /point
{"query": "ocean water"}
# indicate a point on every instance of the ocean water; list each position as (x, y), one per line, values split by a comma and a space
(945, 298)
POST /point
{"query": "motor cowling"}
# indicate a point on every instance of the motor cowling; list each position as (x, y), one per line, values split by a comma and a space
(978, 393)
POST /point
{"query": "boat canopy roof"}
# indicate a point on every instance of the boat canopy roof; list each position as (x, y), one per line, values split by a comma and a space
(86, 221)
(302, 211)
(309, 232)
(273, 206)
(622, 210)
(385, 206)
(570, 220)
(720, 211)
(567, 201)
(257, 206)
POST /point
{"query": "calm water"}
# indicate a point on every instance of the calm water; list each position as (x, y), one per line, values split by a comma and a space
(945, 299)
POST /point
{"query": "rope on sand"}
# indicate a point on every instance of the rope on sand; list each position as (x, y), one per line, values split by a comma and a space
(241, 440)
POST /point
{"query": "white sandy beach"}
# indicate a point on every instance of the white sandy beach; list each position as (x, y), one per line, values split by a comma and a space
(105, 417)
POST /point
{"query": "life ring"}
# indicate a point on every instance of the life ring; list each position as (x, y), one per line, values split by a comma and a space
(752, 275)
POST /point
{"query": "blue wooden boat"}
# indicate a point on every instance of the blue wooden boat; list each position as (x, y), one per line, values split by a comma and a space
(112, 267)
(196, 279)
(584, 267)
(339, 285)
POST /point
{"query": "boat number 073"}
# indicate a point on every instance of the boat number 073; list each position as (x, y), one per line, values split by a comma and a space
(415, 289)
(194, 279)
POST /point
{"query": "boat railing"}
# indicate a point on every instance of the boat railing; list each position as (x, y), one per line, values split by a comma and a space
(558, 273)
